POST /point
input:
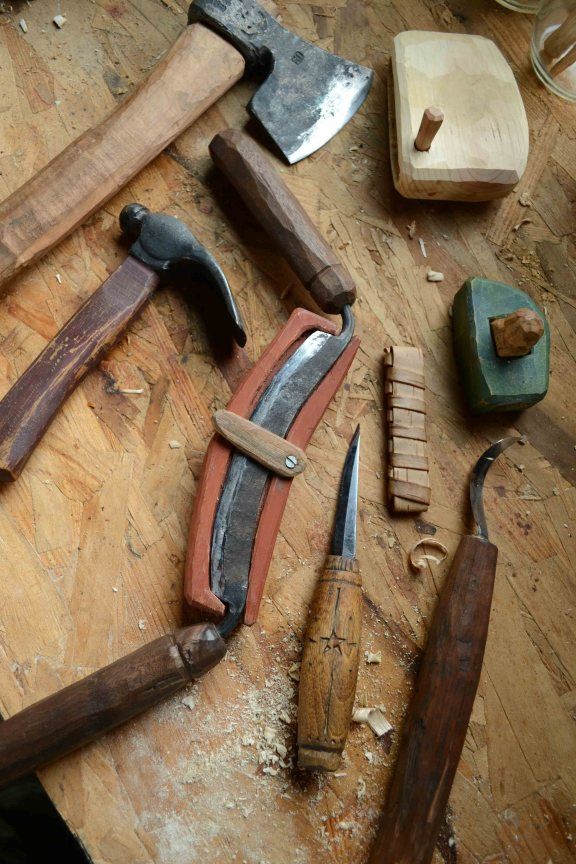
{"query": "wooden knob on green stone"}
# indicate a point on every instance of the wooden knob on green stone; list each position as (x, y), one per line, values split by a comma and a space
(516, 334)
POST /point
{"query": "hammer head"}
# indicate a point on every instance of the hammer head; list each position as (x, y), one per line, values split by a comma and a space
(165, 244)
(308, 94)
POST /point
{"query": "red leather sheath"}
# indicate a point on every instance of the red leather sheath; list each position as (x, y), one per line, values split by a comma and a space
(197, 572)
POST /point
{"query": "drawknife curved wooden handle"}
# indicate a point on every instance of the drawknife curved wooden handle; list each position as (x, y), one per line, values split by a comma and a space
(78, 714)
(271, 201)
(29, 406)
(438, 716)
(197, 70)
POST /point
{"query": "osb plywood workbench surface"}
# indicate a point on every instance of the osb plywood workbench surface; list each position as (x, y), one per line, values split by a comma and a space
(93, 535)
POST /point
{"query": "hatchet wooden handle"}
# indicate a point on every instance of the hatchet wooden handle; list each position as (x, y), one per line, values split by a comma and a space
(30, 405)
(329, 668)
(438, 716)
(197, 70)
(284, 218)
(78, 714)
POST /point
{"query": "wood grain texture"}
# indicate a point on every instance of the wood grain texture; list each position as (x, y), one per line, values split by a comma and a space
(407, 459)
(260, 444)
(329, 670)
(278, 210)
(105, 501)
(480, 151)
(31, 403)
(439, 712)
(82, 712)
(199, 67)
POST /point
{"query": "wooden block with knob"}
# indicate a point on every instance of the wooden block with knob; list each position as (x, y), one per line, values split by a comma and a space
(502, 346)
(329, 667)
(481, 150)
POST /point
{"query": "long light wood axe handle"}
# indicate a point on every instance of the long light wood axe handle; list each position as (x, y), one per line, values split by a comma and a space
(197, 70)
(78, 714)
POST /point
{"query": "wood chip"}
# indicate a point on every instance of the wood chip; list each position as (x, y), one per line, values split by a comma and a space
(59, 21)
(411, 230)
(142, 624)
(419, 560)
(174, 445)
(373, 657)
(23, 25)
(294, 672)
(422, 247)
(434, 276)
(374, 718)
(522, 222)
(130, 392)
(525, 200)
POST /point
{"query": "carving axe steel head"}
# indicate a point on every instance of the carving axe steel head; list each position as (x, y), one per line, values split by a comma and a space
(308, 94)
(163, 242)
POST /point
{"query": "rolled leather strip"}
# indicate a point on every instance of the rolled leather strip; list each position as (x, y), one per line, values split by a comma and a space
(408, 467)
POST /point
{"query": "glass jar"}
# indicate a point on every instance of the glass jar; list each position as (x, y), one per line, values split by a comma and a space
(554, 47)
(520, 5)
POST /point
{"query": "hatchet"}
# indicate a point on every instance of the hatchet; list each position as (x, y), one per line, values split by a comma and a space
(307, 95)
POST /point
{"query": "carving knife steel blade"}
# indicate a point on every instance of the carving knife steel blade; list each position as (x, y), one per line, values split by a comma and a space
(344, 537)
(245, 484)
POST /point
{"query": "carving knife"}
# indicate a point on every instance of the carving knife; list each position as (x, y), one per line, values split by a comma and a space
(330, 657)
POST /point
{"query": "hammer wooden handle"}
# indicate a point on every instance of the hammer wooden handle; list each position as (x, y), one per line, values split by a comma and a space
(283, 217)
(29, 406)
(329, 668)
(197, 70)
(78, 714)
(438, 716)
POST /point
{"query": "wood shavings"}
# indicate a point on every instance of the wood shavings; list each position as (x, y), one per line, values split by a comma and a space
(59, 278)
(189, 701)
(374, 718)
(369, 756)
(59, 21)
(294, 672)
(525, 200)
(434, 276)
(411, 230)
(522, 222)
(23, 26)
(373, 657)
(174, 445)
(422, 247)
(418, 560)
(132, 392)
(142, 624)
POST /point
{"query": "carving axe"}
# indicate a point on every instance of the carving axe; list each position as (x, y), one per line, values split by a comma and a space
(305, 99)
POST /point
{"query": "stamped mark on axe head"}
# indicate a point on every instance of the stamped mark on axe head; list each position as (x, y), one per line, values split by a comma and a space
(308, 94)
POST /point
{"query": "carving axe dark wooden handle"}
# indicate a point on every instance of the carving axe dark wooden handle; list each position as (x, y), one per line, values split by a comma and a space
(29, 406)
(329, 668)
(284, 218)
(78, 714)
(438, 716)
(197, 70)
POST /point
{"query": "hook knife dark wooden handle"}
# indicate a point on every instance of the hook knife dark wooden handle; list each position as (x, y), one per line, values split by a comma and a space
(78, 714)
(438, 716)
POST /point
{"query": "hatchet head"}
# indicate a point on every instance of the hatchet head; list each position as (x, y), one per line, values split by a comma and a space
(308, 94)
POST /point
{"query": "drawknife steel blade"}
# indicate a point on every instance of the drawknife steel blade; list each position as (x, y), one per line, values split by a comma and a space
(344, 537)
(239, 507)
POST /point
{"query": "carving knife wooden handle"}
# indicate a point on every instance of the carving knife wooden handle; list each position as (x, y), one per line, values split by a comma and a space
(329, 668)
(197, 70)
(29, 406)
(438, 716)
(284, 218)
(78, 714)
